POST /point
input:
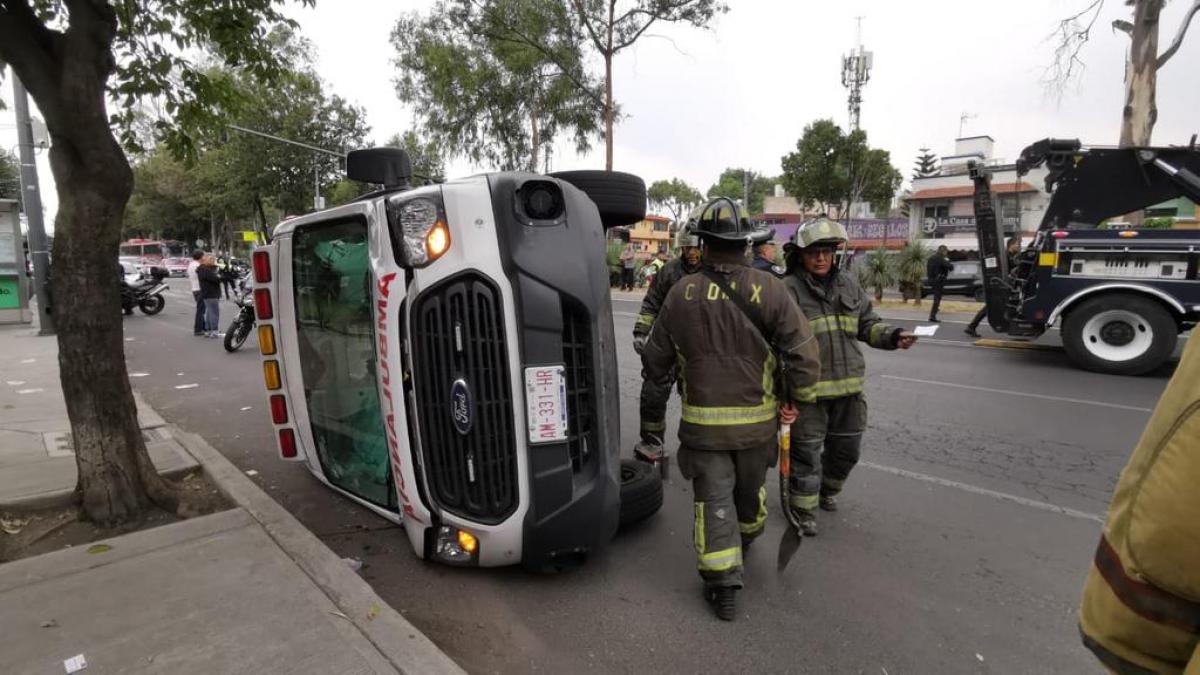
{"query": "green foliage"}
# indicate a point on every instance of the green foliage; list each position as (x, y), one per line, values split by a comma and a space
(910, 265)
(562, 37)
(484, 95)
(1164, 223)
(428, 164)
(832, 168)
(926, 164)
(10, 175)
(877, 270)
(224, 180)
(731, 184)
(675, 196)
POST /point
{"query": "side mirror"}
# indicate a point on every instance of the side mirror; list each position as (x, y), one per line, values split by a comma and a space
(389, 167)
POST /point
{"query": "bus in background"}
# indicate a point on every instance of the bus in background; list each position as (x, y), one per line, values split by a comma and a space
(142, 253)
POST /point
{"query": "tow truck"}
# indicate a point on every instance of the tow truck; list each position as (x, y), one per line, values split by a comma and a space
(1120, 297)
(444, 355)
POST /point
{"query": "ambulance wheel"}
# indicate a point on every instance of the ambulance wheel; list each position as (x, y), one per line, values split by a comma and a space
(620, 197)
(1119, 334)
(641, 492)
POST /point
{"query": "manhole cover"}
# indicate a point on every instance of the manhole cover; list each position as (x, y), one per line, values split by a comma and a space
(60, 443)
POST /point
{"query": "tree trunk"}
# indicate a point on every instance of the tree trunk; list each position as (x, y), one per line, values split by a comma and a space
(608, 113)
(1141, 76)
(535, 138)
(116, 477)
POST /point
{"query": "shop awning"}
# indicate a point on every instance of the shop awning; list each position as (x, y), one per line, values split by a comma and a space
(969, 191)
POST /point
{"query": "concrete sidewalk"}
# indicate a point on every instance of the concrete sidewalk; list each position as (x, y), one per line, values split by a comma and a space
(247, 590)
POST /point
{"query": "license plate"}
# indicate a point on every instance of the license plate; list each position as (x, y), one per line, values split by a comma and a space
(546, 404)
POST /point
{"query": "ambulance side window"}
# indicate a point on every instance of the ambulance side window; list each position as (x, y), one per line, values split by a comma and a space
(335, 326)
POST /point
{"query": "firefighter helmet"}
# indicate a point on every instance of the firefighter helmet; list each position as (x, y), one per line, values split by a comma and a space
(686, 236)
(820, 231)
(722, 218)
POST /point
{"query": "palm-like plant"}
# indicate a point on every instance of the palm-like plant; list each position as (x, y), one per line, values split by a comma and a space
(876, 270)
(910, 267)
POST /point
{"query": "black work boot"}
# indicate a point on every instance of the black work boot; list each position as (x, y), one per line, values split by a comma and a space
(723, 600)
(828, 503)
(807, 521)
(970, 330)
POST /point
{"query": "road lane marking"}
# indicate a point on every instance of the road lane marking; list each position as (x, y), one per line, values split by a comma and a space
(975, 489)
(1044, 397)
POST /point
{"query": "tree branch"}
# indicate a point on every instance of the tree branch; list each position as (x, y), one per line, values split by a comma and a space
(588, 24)
(1183, 28)
(1071, 36)
(636, 35)
(27, 45)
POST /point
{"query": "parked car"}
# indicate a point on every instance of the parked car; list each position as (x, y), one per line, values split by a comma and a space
(965, 279)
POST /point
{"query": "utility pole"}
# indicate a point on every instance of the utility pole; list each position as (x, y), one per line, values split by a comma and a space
(962, 120)
(31, 198)
(856, 72)
(746, 190)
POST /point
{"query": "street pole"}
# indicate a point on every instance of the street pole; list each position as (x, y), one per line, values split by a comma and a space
(31, 198)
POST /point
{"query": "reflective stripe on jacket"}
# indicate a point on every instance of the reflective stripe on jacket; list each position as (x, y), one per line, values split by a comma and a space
(666, 277)
(840, 315)
(727, 370)
(1141, 601)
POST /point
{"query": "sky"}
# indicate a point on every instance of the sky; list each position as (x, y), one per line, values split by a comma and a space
(740, 94)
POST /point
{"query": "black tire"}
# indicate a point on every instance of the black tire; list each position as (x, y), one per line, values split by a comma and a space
(620, 197)
(236, 334)
(1119, 334)
(151, 305)
(641, 492)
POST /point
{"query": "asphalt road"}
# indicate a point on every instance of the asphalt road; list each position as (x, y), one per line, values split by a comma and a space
(961, 546)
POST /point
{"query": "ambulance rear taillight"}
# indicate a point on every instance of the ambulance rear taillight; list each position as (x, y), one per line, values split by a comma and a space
(273, 373)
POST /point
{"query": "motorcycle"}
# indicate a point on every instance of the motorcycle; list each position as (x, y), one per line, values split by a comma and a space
(145, 293)
(243, 323)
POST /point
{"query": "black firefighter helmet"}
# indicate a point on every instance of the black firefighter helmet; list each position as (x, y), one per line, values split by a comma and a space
(722, 219)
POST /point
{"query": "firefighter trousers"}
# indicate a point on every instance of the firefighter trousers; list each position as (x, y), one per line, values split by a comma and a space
(826, 440)
(730, 506)
(653, 406)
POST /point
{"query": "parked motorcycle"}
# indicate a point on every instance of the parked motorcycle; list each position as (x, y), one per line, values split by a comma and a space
(145, 292)
(243, 323)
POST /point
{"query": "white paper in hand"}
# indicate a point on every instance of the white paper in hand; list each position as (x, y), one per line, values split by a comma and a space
(925, 331)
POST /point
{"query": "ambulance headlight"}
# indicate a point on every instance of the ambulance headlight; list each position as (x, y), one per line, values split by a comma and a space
(455, 547)
(419, 230)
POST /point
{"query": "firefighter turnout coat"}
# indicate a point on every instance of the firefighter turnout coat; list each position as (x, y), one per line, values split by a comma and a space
(1141, 601)
(727, 369)
(840, 315)
(670, 273)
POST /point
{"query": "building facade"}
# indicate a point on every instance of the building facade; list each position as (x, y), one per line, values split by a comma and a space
(942, 209)
(651, 236)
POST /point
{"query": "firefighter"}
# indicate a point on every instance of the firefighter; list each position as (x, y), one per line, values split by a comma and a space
(1141, 600)
(826, 436)
(653, 405)
(764, 255)
(728, 358)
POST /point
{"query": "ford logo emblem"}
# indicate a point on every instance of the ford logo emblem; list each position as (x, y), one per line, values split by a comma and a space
(461, 407)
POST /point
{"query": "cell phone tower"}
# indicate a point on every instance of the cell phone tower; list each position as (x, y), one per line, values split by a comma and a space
(856, 72)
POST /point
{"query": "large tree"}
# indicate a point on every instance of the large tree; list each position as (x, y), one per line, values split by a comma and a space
(488, 98)
(834, 170)
(164, 199)
(607, 26)
(1142, 61)
(674, 195)
(732, 183)
(74, 57)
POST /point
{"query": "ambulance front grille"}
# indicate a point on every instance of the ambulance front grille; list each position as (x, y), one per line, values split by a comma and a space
(458, 343)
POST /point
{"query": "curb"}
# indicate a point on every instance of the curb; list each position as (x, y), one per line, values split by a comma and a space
(1016, 344)
(402, 644)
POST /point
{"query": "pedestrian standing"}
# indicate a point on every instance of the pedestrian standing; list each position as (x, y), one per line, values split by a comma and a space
(228, 275)
(1014, 250)
(652, 410)
(938, 267)
(628, 263)
(731, 331)
(194, 284)
(210, 290)
(827, 435)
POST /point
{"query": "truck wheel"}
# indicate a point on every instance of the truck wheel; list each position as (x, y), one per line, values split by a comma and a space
(620, 197)
(1119, 334)
(641, 492)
